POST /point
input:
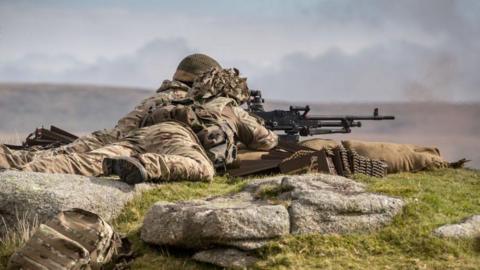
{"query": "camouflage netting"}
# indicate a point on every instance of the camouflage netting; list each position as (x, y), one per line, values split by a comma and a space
(220, 82)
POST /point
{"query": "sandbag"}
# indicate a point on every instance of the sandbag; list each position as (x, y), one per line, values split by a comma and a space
(399, 157)
(246, 154)
(319, 144)
(74, 239)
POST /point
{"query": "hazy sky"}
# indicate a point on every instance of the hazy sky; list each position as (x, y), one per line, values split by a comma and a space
(339, 50)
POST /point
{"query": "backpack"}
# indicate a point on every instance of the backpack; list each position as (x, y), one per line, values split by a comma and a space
(74, 239)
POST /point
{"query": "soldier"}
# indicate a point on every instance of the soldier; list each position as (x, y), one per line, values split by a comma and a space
(178, 141)
(188, 69)
(215, 117)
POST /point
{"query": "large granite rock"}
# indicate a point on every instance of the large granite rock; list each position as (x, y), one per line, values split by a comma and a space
(201, 224)
(469, 228)
(266, 209)
(324, 203)
(330, 204)
(38, 195)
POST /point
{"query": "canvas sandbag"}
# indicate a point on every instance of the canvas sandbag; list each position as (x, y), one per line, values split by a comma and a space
(246, 154)
(399, 157)
(319, 144)
(74, 239)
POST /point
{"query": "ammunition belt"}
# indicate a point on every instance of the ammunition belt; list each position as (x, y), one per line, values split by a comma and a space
(348, 162)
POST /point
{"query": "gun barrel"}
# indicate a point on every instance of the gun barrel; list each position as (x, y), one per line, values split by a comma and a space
(375, 116)
(349, 117)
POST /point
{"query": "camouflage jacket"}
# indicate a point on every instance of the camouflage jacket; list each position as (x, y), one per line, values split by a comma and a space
(246, 128)
(219, 124)
(169, 90)
(216, 96)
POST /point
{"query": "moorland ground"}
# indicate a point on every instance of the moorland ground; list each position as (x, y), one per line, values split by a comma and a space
(434, 198)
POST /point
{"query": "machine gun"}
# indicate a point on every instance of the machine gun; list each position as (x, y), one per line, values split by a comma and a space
(296, 121)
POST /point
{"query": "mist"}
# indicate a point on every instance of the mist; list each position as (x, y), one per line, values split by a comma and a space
(331, 51)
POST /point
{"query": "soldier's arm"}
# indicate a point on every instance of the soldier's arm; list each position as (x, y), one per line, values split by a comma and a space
(251, 132)
(132, 119)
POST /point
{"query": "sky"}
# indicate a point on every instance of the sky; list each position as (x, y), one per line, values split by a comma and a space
(299, 50)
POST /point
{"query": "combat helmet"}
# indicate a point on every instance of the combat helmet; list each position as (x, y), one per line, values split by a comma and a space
(220, 82)
(194, 65)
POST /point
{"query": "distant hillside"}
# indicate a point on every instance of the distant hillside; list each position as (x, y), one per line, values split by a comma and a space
(454, 128)
(73, 107)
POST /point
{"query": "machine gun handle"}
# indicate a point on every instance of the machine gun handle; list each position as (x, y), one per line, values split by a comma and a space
(304, 109)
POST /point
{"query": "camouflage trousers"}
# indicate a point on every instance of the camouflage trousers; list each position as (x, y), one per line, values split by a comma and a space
(169, 151)
(17, 158)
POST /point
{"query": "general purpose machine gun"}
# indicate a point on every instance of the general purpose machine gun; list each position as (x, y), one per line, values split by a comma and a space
(297, 122)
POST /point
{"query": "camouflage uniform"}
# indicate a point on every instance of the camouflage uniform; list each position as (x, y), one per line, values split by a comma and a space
(168, 91)
(190, 67)
(217, 120)
(221, 92)
(171, 149)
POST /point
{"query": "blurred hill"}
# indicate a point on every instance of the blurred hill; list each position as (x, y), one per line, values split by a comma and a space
(452, 127)
(77, 108)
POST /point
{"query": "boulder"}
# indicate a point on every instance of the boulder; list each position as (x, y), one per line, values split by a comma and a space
(202, 224)
(269, 208)
(330, 204)
(228, 258)
(29, 195)
(469, 228)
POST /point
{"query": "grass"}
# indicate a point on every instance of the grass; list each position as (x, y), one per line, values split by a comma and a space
(434, 198)
(16, 236)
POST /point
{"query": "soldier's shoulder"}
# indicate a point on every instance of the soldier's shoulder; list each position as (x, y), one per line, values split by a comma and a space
(219, 103)
(172, 86)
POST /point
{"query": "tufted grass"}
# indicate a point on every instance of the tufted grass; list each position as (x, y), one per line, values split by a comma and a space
(16, 236)
(433, 198)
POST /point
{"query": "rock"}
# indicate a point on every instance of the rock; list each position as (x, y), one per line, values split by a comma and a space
(269, 208)
(322, 203)
(29, 195)
(469, 228)
(201, 224)
(228, 258)
(330, 204)
(248, 244)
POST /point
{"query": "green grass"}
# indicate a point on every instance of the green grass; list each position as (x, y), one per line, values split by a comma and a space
(16, 236)
(433, 198)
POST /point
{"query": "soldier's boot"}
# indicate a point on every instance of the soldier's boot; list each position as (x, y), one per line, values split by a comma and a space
(129, 169)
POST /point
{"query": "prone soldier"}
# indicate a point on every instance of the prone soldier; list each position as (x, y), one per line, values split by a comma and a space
(188, 69)
(177, 141)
